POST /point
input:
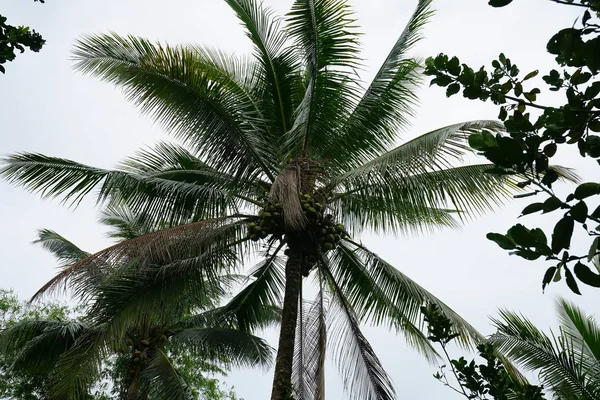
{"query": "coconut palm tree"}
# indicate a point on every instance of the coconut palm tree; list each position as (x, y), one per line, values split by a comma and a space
(142, 350)
(568, 362)
(288, 154)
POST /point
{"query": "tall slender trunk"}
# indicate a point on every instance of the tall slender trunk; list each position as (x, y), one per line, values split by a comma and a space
(282, 381)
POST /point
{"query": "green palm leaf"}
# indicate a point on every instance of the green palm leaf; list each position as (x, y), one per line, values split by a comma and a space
(362, 372)
(65, 252)
(387, 104)
(187, 93)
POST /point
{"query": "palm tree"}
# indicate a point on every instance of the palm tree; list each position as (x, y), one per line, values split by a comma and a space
(141, 349)
(568, 362)
(284, 154)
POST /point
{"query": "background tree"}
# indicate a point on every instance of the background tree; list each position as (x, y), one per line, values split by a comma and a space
(13, 38)
(20, 384)
(161, 357)
(532, 141)
(567, 362)
(485, 381)
(286, 156)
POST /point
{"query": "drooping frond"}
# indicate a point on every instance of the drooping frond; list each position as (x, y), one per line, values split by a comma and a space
(432, 151)
(166, 383)
(36, 346)
(256, 304)
(583, 329)
(169, 199)
(188, 247)
(186, 91)
(363, 375)
(387, 104)
(240, 348)
(63, 250)
(405, 294)
(559, 359)
(79, 367)
(375, 304)
(324, 32)
(123, 223)
(309, 357)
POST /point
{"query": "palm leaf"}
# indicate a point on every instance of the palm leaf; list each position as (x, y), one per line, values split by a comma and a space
(187, 93)
(371, 303)
(166, 383)
(387, 104)
(240, 348)
(63, 250)
(309, 357)
(362, 372)
(406, 295)
(278, 63)
(584, 329)
(560, 363)
(182, 248)
(323, 31)
(177, 201)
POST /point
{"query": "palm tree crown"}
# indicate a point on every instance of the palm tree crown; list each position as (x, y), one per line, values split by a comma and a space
(282, 153)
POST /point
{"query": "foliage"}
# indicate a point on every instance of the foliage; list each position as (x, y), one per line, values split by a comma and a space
(568, 361)
(14, 38)
(486, 381)
(283, 155)
(532, 141)
(19, 384)
(87, 353)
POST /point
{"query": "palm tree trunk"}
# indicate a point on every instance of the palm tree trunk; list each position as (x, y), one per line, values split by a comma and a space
(282, 381)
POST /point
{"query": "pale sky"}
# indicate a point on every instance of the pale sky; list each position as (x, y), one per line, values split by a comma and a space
(46, 107)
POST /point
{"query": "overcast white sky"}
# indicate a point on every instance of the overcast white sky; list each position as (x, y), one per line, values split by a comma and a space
(47, 107)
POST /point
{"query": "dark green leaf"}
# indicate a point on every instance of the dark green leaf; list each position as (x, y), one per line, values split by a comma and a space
(521, 236)
(528, 254)
(561, 236)
(579, 212)
(585, 275)
(593, 248)
(452, 89)
(548, 277)
(533, 207)
(571, 283)
(531, 75)
(551, 204)
(502, 241)
(550, 149)
(586, 190)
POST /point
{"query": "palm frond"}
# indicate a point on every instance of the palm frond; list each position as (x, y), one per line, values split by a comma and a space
(63, 250)
(240, 348)
(278, 62)
(363, 375)
(387, 104)
(372, 304)
(182, 248)
(123, 223)
(171, 199)
(186, 91)
(558, 359)
(79, 367)
(309, 358)
(583, 329)
(256, 305)
(166, 383)
(324, 32)
(406, 295)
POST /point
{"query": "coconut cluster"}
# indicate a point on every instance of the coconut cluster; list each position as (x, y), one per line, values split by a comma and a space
(269, 222)
(325, 233)
(138, 348)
